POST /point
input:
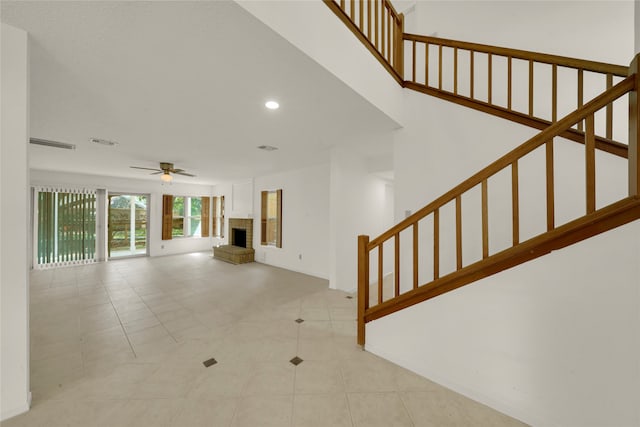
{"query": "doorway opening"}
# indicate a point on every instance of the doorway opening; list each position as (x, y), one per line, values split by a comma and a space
(127, 225)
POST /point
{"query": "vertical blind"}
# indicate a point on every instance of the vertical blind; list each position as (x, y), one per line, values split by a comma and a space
(66, 226)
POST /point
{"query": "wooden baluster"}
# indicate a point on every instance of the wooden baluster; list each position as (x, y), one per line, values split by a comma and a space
(590, 155)
(389, 44)
(458, 232)
(380, 273)
(609, 110)
(397, 265)
(400, 51)
(485, 220)
(436, 244)
(489, 77)
(413, 50)
(415, 255)
(382, 19)
(342, 5)
(376, 26)
(550, 186)
(455, 70)
(363, 284)
(352, 12)
(634, 130)
(515, 203)
(531, 87)
(361, 15)
(369, 20)
(554, 93)
(471, 74)
(426, 64)
(509, 82)
(440, 67)
(580, 96)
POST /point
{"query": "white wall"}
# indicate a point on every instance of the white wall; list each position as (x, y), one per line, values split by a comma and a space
(305, 220)
(157, 246)
(359, 205)
(553, 342)
(313, 28)
(538, 341)
(14, 198)
(596, 30)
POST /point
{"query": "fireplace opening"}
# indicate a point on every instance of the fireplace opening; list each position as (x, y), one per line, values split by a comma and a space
(239, 237)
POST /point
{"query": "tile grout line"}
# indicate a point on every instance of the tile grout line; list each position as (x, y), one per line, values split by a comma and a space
(154, 315)
(120, 321)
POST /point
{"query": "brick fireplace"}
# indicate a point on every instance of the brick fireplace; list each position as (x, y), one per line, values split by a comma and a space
(240, 250)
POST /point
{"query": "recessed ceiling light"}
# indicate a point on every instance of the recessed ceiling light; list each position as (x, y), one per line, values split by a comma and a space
(267, 147)
(272, 105)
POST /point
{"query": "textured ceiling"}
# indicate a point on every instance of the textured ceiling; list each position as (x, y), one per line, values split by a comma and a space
(183, 82)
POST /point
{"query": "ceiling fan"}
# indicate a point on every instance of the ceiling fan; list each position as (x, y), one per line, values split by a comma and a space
(166, 169)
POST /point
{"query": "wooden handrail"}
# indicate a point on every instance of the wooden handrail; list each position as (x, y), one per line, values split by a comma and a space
(593, 222)
(562, 61)
(552, 131)
(614, 215)
(487, 103)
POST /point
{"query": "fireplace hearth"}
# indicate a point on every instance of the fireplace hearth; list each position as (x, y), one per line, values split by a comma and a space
(240, 250)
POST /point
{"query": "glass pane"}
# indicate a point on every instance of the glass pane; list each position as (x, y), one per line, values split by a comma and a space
(178, 207)
(195, 227)
(127, 225)
(177, 227)
(196, 206)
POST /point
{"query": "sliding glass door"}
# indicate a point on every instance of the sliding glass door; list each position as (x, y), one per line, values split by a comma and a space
(127, 225)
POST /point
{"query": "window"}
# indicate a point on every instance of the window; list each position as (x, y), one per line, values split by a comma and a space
(271, 218)
(187, 216)
(218, 216)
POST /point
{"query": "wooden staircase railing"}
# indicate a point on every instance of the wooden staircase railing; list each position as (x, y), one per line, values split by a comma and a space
(517, 85)
(485, 77)
(595, 220)
(378, 26)
(468, 73)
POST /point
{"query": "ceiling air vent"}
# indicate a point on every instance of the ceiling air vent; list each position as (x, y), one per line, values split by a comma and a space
(267, 147)
(103, 142)
(53, 144)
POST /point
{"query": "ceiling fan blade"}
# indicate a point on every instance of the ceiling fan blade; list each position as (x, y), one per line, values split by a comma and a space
(182, 173)
(149, 169)
(156, 173)
(176, 170)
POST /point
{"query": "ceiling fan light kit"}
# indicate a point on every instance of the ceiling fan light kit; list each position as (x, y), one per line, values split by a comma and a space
(166, 169)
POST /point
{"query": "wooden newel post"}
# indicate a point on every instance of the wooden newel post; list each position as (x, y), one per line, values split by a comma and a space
(634, 130)
(363, 285)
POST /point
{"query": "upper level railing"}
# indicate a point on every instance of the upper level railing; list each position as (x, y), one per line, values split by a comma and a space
(424, 228)
(378, 26)
(526, 87)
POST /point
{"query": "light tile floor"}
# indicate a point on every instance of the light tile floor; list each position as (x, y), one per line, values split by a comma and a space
(123, 344)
